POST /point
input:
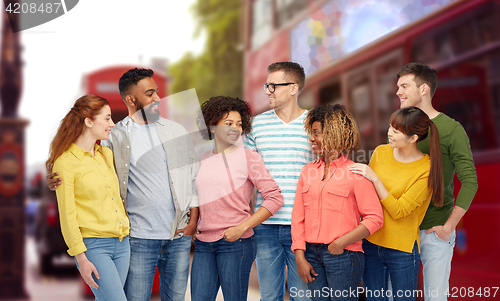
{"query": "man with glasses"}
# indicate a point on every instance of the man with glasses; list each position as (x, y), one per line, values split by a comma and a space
(278, 135)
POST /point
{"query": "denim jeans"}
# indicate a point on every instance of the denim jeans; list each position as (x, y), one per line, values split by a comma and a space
(382, 263)
(273, 256)
(436, 255)
(111, 258)
(172, 259)
(339, 276)
(222, 264)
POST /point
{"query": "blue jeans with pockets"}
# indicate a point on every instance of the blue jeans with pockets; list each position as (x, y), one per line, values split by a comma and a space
(110, 256)
(274, 255)
(172, 259)
(222, 264)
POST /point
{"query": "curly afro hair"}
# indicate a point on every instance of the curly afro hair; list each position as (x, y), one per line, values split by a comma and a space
(340, 130)
(217, 108)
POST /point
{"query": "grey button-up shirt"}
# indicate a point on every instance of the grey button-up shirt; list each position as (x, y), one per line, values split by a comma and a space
(182, 163)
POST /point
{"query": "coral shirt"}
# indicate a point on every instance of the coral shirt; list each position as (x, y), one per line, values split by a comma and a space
(326, 210)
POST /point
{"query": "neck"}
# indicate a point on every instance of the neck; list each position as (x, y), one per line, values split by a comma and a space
(408, 154)
(137, 117)
(428, 109)
(224, 148)
(330, 156)
(290, 112)
(85, 142)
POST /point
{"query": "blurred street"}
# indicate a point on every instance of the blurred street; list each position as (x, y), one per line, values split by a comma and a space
(64, 283)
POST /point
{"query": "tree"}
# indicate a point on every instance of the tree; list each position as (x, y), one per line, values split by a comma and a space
(219, 69)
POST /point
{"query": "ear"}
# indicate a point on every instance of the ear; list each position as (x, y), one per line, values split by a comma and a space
(89, 123)
(414, 138)
(129, 99)
(424, 89)
(295, 89)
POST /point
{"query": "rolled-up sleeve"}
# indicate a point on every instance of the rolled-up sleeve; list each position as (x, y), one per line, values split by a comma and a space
(368, 205)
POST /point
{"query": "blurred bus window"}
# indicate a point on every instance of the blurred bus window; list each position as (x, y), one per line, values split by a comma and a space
(262, 22)
(288, 9)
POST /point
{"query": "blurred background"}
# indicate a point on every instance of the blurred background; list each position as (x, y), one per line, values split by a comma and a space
(351, 51)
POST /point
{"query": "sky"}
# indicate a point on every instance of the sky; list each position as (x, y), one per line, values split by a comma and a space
(92, 35)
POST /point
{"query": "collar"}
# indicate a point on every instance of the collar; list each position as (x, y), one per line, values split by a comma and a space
(78, 152)
(128, 121)
(337, 162)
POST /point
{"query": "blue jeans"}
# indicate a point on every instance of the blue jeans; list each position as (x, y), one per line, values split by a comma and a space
(382, 263)
(222, 264)
(172, 259)
(273, 256)
(436, 257)
(339, 276)
(111, 258)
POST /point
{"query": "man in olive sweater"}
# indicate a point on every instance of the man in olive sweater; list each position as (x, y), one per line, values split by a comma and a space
(416, 86)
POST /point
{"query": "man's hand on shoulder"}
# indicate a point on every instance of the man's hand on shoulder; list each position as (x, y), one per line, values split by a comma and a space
(52, 181)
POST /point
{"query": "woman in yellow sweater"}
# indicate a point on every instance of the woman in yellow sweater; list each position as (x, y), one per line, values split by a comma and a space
(405, 179)
(94, 223)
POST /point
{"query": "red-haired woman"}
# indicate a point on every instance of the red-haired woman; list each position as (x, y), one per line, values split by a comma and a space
(94, 223)
(405, 179)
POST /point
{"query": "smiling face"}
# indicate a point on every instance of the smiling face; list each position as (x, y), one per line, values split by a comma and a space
(228, 130)
(145, 97)
(408, 92)
(100, 127)
(398, 139)
(281, 96)
(316, 137)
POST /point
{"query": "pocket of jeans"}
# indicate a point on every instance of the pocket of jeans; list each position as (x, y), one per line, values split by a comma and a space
(441, 240)
(335, 199)
(89, 241)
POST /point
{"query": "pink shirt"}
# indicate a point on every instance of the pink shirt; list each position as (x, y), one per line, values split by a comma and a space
(225, 185)
(326, 210)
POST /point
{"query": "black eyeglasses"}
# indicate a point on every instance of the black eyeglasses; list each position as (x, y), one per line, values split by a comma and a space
(272, 87)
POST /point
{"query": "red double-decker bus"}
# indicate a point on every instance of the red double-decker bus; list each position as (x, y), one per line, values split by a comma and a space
(351, 52)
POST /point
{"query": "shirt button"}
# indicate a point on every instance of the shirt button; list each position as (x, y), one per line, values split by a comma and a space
(99, 165)
(126, 165)
(112, 199)
(109, 186)
(116, 210)
(124, 183)
(128, 146)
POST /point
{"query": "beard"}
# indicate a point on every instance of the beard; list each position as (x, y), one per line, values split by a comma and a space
(149, 113)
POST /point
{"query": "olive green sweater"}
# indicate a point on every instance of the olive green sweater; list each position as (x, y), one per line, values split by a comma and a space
(457, 157)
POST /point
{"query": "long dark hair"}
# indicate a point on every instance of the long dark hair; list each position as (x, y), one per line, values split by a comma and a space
(413, 121)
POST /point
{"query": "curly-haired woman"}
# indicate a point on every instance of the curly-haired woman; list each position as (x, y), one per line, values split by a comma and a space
(334, 209)
(228, 174)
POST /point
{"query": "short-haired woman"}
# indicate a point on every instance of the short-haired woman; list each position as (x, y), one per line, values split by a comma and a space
(224, 250)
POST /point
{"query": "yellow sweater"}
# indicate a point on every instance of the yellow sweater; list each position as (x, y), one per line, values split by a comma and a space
(408, 199)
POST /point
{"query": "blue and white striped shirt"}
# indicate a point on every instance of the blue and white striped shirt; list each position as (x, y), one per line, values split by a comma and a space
(285, 149)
